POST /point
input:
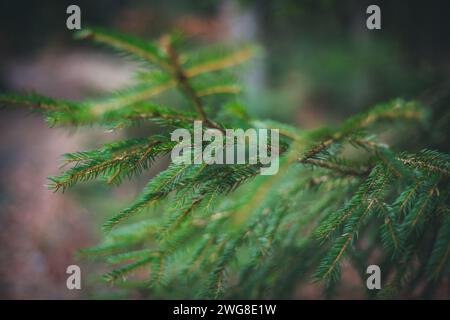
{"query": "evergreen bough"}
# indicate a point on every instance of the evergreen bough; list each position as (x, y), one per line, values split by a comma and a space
(224, 231)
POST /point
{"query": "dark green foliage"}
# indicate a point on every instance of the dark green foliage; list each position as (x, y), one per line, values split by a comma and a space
(226, 231)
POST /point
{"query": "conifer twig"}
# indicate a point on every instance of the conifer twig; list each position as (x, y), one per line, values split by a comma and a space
(338, 168)
(186, 87)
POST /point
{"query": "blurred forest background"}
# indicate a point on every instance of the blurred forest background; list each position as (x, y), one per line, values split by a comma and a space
(320, 64)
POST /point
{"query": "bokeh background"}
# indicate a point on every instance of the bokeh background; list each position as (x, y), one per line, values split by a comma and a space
(320, 64)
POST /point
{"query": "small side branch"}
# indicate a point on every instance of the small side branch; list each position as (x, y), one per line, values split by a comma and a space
(336, 167)
(316, 150)
(186, 87)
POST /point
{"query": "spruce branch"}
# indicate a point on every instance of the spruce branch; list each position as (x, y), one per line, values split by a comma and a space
(182, 80)
(337, 188)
